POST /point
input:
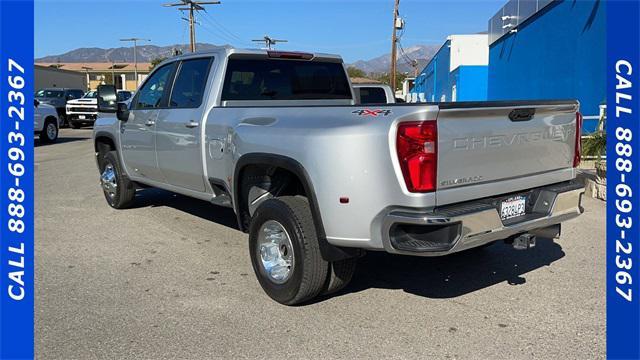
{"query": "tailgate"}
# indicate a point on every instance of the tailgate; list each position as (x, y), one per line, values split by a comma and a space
(481, 145)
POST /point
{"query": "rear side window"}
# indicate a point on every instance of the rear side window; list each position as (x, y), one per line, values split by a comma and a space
(256, 79)
(372, 95)
(190, 83)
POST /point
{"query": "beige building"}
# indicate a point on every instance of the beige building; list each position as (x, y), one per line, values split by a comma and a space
(120, 74)
(50, 77)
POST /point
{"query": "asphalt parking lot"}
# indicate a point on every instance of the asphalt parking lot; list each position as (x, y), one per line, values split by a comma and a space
(171, 278)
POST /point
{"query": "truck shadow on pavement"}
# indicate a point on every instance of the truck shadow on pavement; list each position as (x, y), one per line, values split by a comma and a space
(152, 197)
(454, 275)
(433, 277)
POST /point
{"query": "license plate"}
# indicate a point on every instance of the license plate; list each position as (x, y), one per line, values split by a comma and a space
(512, 207)
(81, 117)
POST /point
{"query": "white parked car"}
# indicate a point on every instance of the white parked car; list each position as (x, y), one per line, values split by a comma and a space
(45, 122)
(84, 111)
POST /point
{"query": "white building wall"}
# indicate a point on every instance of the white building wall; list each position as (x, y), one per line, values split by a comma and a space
(469, 50)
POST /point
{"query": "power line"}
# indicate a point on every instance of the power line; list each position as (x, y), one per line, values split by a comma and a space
(212, 21)
(220, 31)
(193, 7)
(213, 32)
(406, 58)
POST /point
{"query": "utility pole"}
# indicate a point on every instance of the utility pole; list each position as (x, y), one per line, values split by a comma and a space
(192, 7)
(135, 55)
(394, 41)
(268, 41)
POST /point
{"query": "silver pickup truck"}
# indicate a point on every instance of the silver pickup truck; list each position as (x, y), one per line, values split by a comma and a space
(316, 180)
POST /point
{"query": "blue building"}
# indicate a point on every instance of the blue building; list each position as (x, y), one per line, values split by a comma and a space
(457, 72)
(542, 49)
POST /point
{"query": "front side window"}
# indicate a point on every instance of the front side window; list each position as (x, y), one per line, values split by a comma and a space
(270, 79)
(190, 83)
(151, 93)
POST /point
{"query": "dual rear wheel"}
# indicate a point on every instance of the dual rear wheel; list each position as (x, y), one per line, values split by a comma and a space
(285, 253)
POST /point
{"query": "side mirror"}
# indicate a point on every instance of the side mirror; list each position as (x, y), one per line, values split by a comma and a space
(107, 99)
(123, 112)
(36, 102)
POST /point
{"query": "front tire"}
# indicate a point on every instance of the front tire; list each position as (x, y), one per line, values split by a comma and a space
(285, 252)
(118, 190)
(50, 132)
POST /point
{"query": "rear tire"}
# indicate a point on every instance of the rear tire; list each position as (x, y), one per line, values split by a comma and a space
(293, 273)
(340, 274)
(49, 133)
(118, 190)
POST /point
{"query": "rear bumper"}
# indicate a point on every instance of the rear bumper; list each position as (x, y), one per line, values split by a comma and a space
(466, 225)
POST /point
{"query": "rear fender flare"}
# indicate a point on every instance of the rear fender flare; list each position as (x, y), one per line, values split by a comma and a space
(329, 252)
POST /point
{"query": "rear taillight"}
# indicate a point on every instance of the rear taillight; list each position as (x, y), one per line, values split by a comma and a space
(578, 144)
(417, 147)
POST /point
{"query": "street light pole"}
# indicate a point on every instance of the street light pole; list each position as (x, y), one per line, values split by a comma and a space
(135, 55)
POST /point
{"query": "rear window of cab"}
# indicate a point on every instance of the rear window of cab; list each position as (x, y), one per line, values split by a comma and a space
(276, 79)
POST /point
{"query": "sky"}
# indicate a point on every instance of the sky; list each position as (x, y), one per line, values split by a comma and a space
(355, 29)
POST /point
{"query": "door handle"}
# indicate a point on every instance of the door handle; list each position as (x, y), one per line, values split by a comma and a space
(150, 123)
(191, 124)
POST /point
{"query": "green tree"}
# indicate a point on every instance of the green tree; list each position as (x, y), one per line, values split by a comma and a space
(386, 79)
(156, 61)
(355, 72)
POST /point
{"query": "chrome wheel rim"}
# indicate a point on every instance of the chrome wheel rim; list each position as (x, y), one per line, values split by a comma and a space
(108, 181)
(52, 131)
(276, 252)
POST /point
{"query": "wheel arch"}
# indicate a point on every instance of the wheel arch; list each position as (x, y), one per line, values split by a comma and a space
(103, 143)
(51, 118)
(329, 252)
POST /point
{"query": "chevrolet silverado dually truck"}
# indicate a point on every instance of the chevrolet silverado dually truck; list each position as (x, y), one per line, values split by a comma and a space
(316, 180)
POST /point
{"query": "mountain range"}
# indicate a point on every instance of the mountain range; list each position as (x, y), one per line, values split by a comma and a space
(381, 64)
(146, 53)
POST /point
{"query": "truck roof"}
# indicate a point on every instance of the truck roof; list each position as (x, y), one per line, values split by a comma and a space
(227, 51)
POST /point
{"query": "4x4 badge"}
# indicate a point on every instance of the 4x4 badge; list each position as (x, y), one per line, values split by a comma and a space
(369, 112)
